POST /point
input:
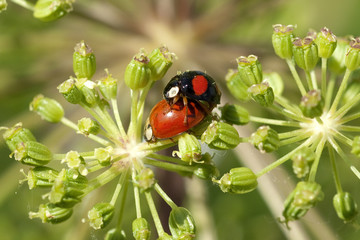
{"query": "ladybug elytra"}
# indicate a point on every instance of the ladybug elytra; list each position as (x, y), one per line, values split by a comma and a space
(167, 121)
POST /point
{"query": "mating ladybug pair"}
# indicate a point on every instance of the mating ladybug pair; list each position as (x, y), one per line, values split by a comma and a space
(188, 98)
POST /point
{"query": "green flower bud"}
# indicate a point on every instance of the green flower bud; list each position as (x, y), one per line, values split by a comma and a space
(70, 92)
(200, 128)
(356, 146)
(100, 215)
(75, 161)
(17, 134)
(137, 72)
(160, 60)
(337, 60)
(50, 10)
(345, 206)
(234, 114)
(236, 86)
(88, 89)
(40, 177)
(302, 161)
(282, 40)
(238, 180)
(108, 86)
(326, 42)
(221, 136)
(50, 213)
(352, 58)
(265, 139)
(84, 62)
(140, 228)
(67, 189)
(305, 196)
(305, 53)
(48, 109)
(165, 236)
(206, 169)
(32, 153)
(250, 70)
(3, 5)
(115, 234)
(103, 155)
(189, 148)
(312, 104)
(275, 81)
(145, 180)
(262, 93)
(88, 126)
(181, 224)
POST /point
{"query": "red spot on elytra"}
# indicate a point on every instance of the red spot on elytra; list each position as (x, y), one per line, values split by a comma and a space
(199, 84)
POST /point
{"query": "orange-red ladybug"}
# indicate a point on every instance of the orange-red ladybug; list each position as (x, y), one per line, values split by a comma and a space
(193, 85)
(167, 121)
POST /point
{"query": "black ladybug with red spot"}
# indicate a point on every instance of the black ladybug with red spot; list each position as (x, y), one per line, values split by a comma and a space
(193, 85)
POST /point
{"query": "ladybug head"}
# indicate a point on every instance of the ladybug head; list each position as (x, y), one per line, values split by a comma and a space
(172, 92)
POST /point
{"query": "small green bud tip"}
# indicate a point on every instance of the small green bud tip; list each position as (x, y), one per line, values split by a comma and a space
(235, 114)
(103, 155)
(140, 228)
(326, 42)
(108, 86)
(48, 109)
(100, 215)
(265, 139)
(345, 206)
(32, 153)
(137, 72)
(17, 134)
(189, 149)
(220, 135)
(312, 104)
(67, 189)
(3, 5)
(115, 234)
(250, 70)
(352, 58)
(84, 61)
(160, 60)
(275, 81)
(75, 161)
(50, 10)
(305, 196)
(181, 224)
(50, 213)
(238, 180)
(89, 91)
(236, 86)
(262, 93)
(305, 53)
(282, 40)
(145, 180)
(88, 126)
(70, 92)
(40, 177)
(302, 161)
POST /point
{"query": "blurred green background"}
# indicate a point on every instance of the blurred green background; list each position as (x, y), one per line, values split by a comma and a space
(208, 35)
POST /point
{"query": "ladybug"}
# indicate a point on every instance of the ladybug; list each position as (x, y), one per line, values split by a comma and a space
(167, 121)
(193, 85)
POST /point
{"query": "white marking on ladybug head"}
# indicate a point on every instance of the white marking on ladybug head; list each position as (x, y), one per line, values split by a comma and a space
(148, 133)
(173, 92)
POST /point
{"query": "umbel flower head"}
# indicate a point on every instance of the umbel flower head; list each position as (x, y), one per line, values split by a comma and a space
(122, 155)
(320, 121)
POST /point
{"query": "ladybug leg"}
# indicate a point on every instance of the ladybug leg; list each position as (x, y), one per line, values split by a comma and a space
(185, 101)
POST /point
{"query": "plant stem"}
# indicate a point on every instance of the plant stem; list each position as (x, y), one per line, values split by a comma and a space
(169, 166)
(164, 196)
(136, 195)
(296, 139)
(340, 91)
(124, 180)
(349, 118)
(342, 138)
(292, 68)
(154, 214)
(309, 80)
(285, 157)
(347, 107)
(334, 170)
(274, 121)
(315, 164)
(349, 128)
(329, 91)
(117, 117)
(323, 76)
(24, 4)
(166, 158)
(291, 107)
(134, 112)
